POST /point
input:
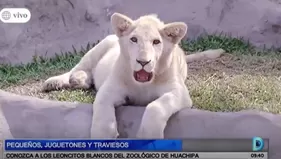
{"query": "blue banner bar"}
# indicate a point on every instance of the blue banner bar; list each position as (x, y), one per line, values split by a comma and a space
(84, 145)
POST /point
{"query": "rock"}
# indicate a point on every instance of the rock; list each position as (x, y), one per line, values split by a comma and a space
(30, 117)
(57, 25)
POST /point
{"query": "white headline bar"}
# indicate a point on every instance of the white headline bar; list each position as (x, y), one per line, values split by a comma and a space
(134, 155)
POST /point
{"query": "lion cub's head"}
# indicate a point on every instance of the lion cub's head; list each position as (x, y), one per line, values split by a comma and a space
(146, 43)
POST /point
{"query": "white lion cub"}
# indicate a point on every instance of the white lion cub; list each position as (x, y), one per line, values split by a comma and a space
(141, 64)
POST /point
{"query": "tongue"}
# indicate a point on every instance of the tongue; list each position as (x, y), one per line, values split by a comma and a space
(142, 75)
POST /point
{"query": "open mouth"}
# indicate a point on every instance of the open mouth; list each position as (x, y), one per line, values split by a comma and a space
(142, 76)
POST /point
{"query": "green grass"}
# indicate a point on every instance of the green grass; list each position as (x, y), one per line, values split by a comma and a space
(74, 95)
(40, 67)
(246, 78)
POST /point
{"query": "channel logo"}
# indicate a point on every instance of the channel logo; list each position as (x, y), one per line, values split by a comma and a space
(258, 144)
(15, 15)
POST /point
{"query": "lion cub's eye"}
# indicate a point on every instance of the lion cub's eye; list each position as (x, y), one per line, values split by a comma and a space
(155, 42)
(134, 39)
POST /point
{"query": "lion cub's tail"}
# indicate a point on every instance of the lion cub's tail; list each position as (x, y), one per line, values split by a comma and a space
(208, 54)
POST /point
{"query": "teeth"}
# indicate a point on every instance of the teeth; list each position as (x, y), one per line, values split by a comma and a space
(142, 78)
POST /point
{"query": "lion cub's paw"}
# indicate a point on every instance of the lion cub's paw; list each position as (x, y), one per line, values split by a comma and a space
(80, 79)
(54, 83)
(104, 131)
(151, 128)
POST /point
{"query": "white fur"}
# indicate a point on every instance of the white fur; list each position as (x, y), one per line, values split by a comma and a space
(110, 66)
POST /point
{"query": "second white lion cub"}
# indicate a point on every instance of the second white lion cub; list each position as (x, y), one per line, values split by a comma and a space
(141, 64)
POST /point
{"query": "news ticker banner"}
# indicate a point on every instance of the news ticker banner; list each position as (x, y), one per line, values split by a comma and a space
(133, 155)
(184, 145)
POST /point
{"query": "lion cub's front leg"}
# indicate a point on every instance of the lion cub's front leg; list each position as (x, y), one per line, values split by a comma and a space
(158, 112)
(104, 124)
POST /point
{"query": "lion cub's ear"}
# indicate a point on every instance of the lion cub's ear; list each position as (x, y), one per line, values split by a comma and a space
(174, 32)
(121, 24)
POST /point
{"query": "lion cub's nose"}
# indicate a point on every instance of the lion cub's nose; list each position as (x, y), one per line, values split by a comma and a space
(143, 63)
